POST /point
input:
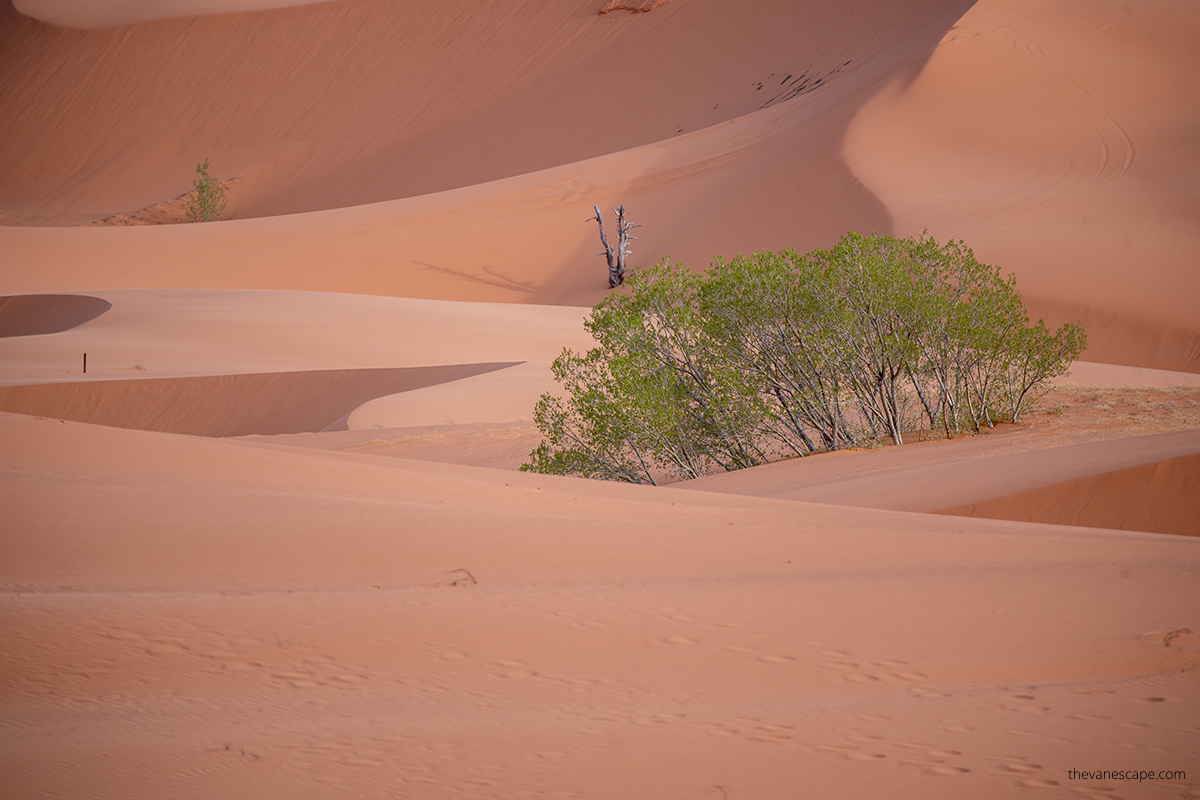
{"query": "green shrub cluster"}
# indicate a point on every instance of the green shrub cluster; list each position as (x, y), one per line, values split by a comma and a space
(207, 203)
(777, 354)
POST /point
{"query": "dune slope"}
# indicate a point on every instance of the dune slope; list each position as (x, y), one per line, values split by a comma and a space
(598, 639)
(229, 405)
(1163, 496)
(1053, 138)
(436, 96)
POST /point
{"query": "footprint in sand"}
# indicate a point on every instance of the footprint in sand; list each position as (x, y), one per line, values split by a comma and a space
(723, 731)
(946, 769)
(862, 677)
(516, 670)
(1039, 783)
(678, 640)
(124, 636)
(862, 755)
(1020, 768)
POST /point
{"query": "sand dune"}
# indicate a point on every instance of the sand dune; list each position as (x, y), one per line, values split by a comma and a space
(394, 611)
(436, 95)
(87, 14)
(528, 239)
(939, 475)
(1051, 137)
(598, 639)
(190, 333)
(229, 405)
(1161, 496)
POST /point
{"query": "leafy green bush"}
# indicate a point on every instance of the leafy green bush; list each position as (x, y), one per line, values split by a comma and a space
(208, 202)
(785, 354)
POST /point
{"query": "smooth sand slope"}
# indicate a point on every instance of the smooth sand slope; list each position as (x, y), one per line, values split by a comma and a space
(346, 103)
(299, 616)
(230, 405)
(1052, 138)
(1147, 483)
(311, 623)
(1159, 496)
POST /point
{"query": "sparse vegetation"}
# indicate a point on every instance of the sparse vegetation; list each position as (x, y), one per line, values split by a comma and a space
(207, 203)
(778, 354)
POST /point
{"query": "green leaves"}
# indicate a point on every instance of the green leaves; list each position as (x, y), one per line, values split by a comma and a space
(777, 353)
(208, 202)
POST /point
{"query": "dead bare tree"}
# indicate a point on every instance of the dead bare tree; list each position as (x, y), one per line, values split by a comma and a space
(616, 256)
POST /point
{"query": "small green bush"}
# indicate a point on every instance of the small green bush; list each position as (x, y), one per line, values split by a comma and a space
(207, 204)
(785, 354)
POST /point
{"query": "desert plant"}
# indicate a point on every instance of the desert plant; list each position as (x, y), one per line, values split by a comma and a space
(207, 203)
(787, 353)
